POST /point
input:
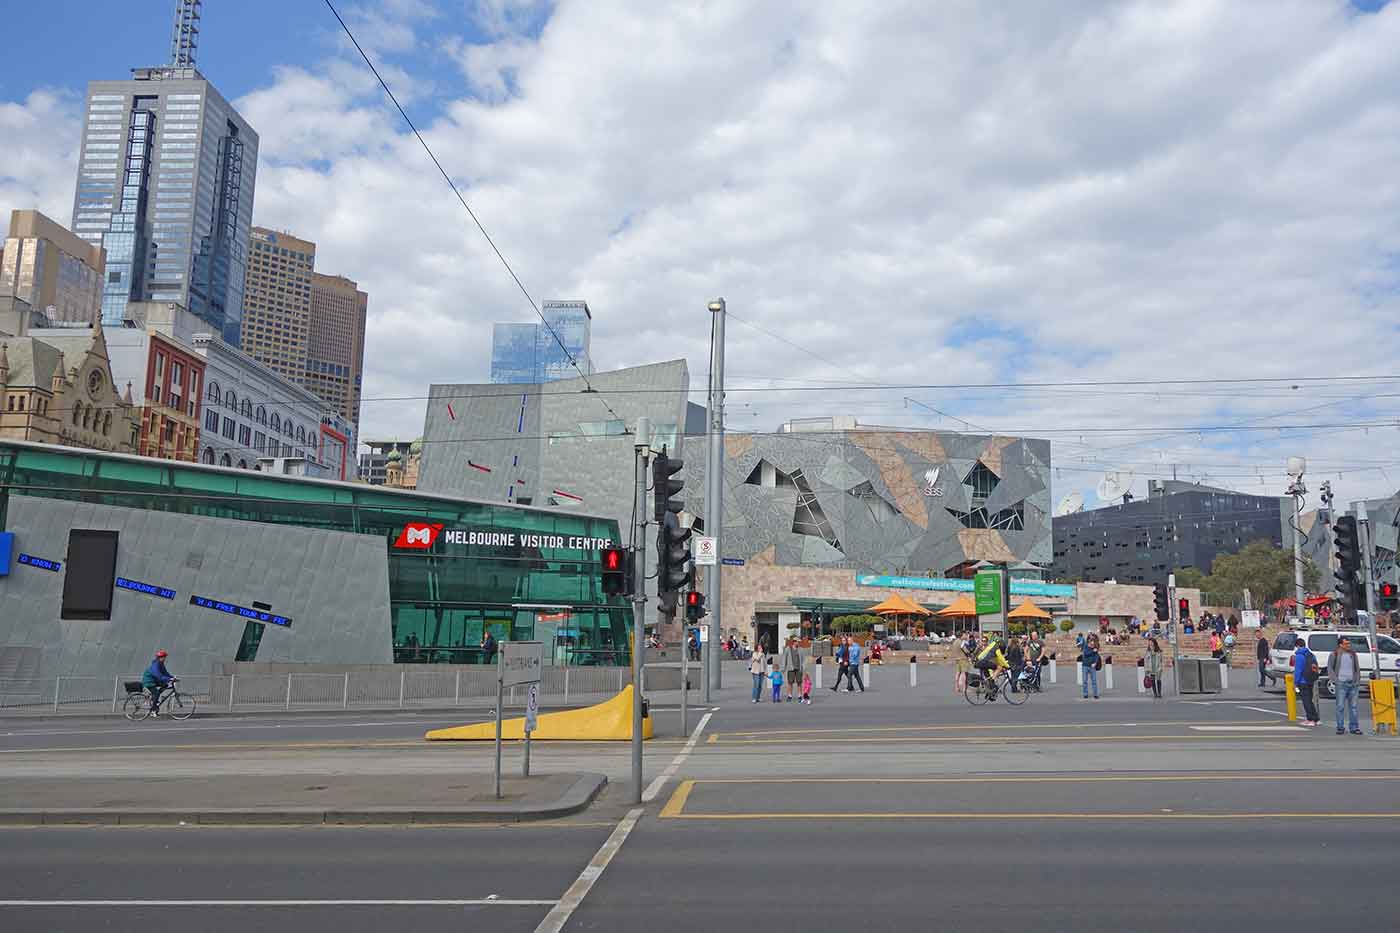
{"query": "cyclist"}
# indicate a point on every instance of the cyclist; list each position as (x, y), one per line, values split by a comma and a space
(991, 662)
(156, 679)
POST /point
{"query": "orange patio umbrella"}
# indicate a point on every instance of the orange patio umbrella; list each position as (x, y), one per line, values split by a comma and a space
(962, 606)
(899, 605)
(1028, 610)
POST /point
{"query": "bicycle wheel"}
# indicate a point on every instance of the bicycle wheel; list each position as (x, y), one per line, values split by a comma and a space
(137, 707)
(1014, 697)
(178, 705)
(976, 694)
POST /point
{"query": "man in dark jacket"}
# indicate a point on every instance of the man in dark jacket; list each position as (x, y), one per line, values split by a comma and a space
(488, 648)
(1305, 678)
(1261, 654)
(156, 679)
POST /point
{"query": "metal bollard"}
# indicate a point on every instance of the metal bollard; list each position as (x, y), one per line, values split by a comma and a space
(1140, 675)
(865, 673)
(457, 689)
(817, 680)
(1078, 673)
(1290, 691)
(566, 686)
(1054, 672)
(1224, 674)
(1108, 673)
(913, 671)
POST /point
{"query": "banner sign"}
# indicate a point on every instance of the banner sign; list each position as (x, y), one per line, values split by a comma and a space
(1018, 587)
(986, 591)
(522, 662)
(421, 536)
(149, 589)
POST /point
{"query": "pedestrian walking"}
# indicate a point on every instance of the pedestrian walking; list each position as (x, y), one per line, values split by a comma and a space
(777, 677)
(1261, 655)
(1016, 658)
(1152, 667)
(758, 667)
(807, 689)
(1091, 661)
(853, 668)
(843, 668)
(1305, 673)
(1344, 673)
(792, 664)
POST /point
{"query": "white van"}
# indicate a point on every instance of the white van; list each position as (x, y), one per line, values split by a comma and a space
(1322, 642)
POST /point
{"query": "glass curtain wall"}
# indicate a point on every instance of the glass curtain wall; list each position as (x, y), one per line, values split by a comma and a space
(442, 601)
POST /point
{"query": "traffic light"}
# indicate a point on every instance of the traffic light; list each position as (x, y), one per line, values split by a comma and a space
(1183, 609)
(1348, 552)
(617, 571)
(1159, 602)
(666, 488)
(1389, 595)
(673, 570)
(694, 606)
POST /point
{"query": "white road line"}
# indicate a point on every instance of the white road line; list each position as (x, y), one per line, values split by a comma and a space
(1260, 709)
(1247, 728)
(655, 787)
(561, 912)
(206, 728)
(466, 902)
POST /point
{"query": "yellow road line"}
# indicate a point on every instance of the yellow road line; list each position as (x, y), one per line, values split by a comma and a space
(966, 817)
(438, 747)
(1067, 779)
(1004, 739)
(676, 804)
(988, 726)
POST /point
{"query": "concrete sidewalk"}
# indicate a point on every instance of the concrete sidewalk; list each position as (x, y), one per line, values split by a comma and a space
(232, 799)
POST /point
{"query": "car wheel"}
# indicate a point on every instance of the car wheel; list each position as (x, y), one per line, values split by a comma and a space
(1324, 689)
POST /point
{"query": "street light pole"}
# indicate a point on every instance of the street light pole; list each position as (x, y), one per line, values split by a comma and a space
(1297, 489)
(639, 600)
(714, 504)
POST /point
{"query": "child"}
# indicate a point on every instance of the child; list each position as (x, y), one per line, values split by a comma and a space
(777, 678)
(807, 689)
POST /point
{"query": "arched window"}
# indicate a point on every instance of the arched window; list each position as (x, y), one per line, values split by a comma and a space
(214, 395)
(208, 456)
(225, 461)
(247, 409)
(87, 419)
(243, 464)
(301, 434)
(276, 422)
(287, 425)
(231, 399)
(107, 424)
(262, 415)
(77, 413)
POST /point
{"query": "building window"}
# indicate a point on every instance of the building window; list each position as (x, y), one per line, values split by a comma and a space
(211, 422)
(208, 456)
(246, 410)
(276, 423)
(262, 415)
(214, 396)
(229, 428)
(245, 435)
(231, 400)
(225, 461)
(260, 442)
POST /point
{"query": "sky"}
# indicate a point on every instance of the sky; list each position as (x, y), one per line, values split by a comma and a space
(898, 201)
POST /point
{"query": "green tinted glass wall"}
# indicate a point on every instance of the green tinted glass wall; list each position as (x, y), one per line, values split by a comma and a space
(442, 599)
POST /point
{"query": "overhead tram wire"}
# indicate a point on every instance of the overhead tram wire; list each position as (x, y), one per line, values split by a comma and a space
(471, 213)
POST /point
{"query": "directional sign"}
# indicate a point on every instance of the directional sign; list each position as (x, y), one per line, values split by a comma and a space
(532, 708)
(521, 662)
(706, 551)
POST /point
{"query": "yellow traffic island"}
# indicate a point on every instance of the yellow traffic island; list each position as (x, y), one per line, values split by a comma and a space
(606, 722)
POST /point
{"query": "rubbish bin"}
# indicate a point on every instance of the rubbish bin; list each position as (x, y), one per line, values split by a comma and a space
(1210, 675)
(1189, 672)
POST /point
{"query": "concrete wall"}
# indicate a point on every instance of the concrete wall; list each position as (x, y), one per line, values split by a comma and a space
(334, 586)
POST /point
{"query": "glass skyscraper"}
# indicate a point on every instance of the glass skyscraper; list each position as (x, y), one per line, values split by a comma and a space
(529, 353)
(165, 183)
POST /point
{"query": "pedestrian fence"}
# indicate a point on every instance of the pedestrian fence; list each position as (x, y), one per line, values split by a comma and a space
(383, 688)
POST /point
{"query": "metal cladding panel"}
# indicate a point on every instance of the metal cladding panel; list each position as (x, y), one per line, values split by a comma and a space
(333, 585)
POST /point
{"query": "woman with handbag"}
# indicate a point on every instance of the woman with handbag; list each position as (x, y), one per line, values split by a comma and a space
(1152, 667)
(758, 667)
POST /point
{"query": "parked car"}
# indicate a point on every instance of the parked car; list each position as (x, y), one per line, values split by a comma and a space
(1322, 642)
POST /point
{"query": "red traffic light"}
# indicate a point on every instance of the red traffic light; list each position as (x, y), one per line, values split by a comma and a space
(612, 558)
(1183, 606)
(1387, 590)
(692, 598)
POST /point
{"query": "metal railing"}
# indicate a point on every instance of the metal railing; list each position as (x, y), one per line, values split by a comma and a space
(364, 689)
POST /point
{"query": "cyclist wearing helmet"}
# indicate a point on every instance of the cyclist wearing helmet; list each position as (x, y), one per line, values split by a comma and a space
(156, 679)
(990, 660)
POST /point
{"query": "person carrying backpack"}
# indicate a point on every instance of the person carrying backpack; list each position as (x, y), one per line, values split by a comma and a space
(1305, 673)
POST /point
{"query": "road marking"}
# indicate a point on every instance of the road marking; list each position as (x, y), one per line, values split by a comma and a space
(974, 739)
(1247, 728)
(969, 727)
(676, 804)
(970, 817)
(180, 727)
(462, 902)
(671, 769)
(1260, 709)
(435, 747)
(561, 912)
(1063, 779)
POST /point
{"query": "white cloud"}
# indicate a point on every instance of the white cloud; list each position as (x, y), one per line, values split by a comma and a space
(39, 156)
(933, 193)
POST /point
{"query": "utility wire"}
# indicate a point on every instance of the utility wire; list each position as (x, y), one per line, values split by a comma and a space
(453, 185)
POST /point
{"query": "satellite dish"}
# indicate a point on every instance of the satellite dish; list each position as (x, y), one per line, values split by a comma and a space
(1070, 504)
(1115, 485)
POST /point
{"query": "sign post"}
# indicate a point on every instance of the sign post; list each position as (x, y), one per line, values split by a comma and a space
(532, 717)
(519, 662)
(706, 551)
(990, 595)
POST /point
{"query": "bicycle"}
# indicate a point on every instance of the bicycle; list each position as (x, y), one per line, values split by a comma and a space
(985, 689)
(173, 703)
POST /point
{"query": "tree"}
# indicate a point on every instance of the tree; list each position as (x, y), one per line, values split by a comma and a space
(1261, 568)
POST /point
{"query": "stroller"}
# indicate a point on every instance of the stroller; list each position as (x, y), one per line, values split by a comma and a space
(1029, 678)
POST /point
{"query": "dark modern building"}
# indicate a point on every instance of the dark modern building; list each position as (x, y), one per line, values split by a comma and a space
(105, 558)
(1178, 525)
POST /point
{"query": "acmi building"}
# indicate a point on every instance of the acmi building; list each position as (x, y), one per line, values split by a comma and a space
(105, 558)
(828, 513)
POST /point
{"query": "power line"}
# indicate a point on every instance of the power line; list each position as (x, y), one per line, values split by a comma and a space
(453, 185)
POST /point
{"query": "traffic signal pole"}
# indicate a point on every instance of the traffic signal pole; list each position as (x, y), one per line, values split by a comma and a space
(714, 504)
(1368, 581)
(639, 602)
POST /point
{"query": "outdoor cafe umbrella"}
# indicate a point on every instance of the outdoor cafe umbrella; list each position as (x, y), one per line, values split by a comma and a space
(898, 605)
(1028, 610)
(962, 606)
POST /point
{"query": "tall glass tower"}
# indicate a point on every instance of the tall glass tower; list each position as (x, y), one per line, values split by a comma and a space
(529, 353)
(165, 183)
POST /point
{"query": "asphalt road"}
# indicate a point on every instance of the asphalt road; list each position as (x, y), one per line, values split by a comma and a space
(898, 809)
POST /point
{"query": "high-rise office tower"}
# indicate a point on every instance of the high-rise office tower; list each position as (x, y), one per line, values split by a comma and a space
(277, 301)
(44, 264)
(335, 356)
(307, 326)
(556, 349)
(165, 184)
